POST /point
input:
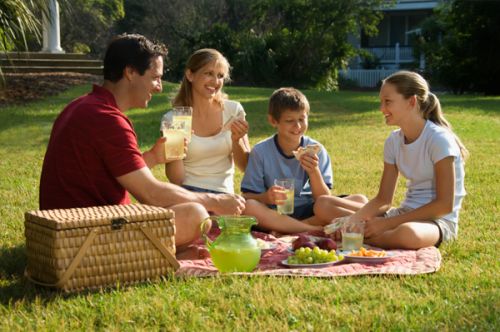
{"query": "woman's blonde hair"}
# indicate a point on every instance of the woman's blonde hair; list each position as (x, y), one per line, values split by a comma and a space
(198, 60)
(410, 84)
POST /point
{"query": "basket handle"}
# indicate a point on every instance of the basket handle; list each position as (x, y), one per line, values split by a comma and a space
(72, 267)
(157, 243)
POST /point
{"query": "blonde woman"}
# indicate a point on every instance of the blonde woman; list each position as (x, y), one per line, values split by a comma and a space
(219, 139)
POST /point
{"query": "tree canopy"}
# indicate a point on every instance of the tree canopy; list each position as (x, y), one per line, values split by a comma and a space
(461, 46)
(268, 42)
(19, 21)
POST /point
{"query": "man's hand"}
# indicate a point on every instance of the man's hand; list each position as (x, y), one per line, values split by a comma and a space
(155, 155)
(228, 204)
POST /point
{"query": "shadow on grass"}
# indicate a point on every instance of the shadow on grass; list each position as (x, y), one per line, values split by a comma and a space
(486, 105)
(15, 287)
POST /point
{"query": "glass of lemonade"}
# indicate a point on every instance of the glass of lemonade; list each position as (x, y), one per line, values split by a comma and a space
(352, 235)
(182, 119)
(286, 206)
(175, 126)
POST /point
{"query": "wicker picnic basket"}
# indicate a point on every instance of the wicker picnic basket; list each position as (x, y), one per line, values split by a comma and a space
(74, 249)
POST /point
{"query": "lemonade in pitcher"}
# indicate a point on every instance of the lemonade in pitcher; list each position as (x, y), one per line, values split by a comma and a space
(234, 250)
(229, 259)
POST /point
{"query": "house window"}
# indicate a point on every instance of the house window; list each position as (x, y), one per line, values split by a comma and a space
(393, 29)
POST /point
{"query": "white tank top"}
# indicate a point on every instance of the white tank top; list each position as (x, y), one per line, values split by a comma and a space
(209, 161)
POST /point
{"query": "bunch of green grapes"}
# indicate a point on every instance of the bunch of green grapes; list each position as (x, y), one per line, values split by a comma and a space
(307, 255)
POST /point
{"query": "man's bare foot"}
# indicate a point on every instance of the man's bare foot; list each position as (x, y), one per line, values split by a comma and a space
(191, 253)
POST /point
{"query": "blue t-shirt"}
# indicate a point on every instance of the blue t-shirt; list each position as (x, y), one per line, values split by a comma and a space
(267, 162)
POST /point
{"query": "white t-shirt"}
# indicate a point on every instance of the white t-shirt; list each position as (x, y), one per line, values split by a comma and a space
(415, 161)
(209, 160)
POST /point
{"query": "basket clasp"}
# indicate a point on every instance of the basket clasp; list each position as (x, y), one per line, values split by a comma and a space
(117, 223)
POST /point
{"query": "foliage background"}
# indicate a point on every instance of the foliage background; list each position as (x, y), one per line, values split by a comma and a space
(272, 42)
(460, 43)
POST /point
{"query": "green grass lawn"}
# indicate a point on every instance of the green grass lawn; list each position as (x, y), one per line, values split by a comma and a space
(462, 296)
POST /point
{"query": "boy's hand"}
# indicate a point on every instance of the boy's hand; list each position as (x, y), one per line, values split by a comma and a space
(275, 195)
(309, 162)
(239, 128)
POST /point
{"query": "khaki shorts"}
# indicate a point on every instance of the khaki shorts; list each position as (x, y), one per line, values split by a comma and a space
(448, 230)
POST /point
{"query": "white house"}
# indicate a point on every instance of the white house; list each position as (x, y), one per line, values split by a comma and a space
(392, 47)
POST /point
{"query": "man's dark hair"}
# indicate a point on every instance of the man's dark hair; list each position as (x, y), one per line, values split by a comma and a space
(132, 50)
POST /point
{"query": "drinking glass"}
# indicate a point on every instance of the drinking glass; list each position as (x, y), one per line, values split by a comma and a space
(175, 128)
(352, 235)
(286, 206)
(174, 147)
(182, 119)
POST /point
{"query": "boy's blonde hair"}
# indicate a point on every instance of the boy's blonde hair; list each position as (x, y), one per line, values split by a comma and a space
(287, 99)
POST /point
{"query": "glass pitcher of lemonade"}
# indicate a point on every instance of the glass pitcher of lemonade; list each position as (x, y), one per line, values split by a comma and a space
(234, 250)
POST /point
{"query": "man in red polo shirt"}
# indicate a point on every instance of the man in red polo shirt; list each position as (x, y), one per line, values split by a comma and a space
(93, 157)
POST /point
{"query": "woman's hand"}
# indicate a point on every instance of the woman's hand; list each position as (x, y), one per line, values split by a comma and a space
(239, 129)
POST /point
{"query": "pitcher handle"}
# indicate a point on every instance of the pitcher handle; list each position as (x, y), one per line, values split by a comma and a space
(204, 231)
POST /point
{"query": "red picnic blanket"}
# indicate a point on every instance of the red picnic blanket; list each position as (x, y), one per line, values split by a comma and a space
(403, 262)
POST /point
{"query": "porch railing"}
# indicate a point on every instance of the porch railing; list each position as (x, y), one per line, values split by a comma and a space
(367, 78)
(396, 54)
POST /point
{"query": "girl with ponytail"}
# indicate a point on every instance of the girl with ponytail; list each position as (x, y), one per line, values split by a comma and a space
(429, 155)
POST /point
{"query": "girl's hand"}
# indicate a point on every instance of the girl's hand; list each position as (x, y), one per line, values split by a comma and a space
(275, 195)
(376, 226)
(309, 162)
(239, 129)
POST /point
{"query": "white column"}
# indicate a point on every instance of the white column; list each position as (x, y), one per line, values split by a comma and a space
(397, 57)
(422, 61)
(51, 29)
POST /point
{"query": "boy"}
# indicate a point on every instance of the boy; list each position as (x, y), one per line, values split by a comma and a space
(273, 158)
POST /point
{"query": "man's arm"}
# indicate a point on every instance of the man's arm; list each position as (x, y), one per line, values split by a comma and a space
(148, 190)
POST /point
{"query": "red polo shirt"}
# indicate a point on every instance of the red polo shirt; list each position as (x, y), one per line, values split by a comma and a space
(91, 144)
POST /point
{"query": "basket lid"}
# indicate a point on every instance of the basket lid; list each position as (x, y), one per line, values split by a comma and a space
(96, 215)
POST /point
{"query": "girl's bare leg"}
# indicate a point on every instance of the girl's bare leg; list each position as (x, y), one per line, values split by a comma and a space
(410, 235)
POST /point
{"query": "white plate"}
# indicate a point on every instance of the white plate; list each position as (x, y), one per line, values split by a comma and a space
(270, 247)
(318, 265)
(369, 260)
(265, 246)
